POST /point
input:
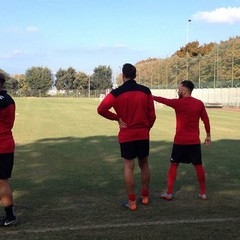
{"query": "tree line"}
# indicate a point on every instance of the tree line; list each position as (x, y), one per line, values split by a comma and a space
(208, 65)
(42, 79)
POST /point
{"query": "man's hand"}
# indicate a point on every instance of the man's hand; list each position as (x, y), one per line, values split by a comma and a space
(121, 123)
(207, 141)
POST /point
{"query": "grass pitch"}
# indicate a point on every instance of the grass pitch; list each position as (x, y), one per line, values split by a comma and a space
(68, 177)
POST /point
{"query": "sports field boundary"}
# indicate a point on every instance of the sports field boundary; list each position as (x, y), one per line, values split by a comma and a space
(122, 225)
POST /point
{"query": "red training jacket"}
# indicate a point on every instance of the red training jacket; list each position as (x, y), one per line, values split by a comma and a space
(7, 117)
(188, 112)
(133, 103)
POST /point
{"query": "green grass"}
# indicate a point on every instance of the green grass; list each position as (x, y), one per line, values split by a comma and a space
(68, 177)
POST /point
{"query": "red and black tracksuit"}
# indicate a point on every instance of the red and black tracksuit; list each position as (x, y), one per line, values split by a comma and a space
(188, 112)
(133, 103)
(7, 117)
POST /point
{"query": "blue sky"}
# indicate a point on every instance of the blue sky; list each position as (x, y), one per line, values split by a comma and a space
(84, 34)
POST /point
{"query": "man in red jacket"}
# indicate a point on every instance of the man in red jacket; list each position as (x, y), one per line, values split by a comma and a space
(7, 145)
(135, 114)
(186, 146)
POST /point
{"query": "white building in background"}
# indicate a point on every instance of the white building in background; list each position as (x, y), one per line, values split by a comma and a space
(115, 85)
(227, 97)
(53, 91)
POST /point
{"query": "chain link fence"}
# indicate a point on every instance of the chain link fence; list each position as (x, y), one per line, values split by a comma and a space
(220, 68)
(60, 93)
(229, 97)
(212, 97)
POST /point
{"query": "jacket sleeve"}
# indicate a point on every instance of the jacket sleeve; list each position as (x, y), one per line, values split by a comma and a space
(152, 114)
(205, 120)
(105, 106)
(169, 102)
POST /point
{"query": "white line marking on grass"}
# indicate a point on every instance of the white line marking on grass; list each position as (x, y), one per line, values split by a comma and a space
(218, 116)
(121, 225)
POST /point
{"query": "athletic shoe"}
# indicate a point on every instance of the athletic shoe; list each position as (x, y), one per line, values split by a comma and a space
(167, 196)
(131, 205)
(143, 200)
(203, 196)
(6, 222)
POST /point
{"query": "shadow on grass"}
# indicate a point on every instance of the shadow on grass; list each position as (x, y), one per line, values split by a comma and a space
(69, 175)
(221, 161)
(62, 174)
(74, 164)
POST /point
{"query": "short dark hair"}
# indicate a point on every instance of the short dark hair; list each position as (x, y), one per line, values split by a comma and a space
(129, 71)
(188, 84)
(2, 78)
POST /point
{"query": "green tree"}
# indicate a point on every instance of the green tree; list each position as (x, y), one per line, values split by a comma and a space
(101, 78)
(193, 49)
(65, 79)
(60, 79)
(81, 81)
(208, 65)
(22, 84)
(7, 77)
(39, 80)
(11, 83)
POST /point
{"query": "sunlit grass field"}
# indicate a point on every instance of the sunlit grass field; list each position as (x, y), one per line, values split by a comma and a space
(68, 177)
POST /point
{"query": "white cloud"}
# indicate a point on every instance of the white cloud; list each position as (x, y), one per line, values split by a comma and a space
(12, 54)
(219, 15)
(31, 29)
(120, 45)
(18, 30)
(95, 49)
(17, 52)
(13, 30)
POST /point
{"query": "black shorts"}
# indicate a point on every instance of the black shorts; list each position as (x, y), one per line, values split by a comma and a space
(133, 149)
(186, 154)
(6, 165)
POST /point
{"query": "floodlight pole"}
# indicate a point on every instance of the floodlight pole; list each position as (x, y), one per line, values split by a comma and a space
(188, 21)
(232, 63)
(89, 86)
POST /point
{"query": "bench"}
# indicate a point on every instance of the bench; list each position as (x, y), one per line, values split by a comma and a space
(213, 105)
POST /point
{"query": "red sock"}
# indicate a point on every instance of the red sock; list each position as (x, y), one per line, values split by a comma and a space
(201, 178)
(145, 192)
(172, 174)
(132, 197)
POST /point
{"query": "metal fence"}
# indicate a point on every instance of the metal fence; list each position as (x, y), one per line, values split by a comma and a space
(228, 97)
(220, 68)
(54, 93)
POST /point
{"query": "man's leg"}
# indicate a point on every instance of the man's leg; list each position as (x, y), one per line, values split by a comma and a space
(5, 193)
(7, 202)
(145, 178)
(128, 175)
(172, 174)
(201, 178)
(129, 182)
